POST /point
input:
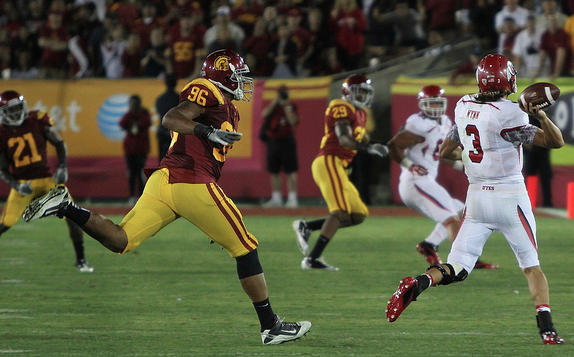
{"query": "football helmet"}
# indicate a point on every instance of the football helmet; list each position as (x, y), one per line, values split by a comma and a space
(225, 69)
(13, 108)
(358, 91)
(432, 101)
(495, 73)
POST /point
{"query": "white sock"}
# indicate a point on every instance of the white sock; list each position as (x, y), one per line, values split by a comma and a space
(438, 235)
(276, 196)
(292, 196)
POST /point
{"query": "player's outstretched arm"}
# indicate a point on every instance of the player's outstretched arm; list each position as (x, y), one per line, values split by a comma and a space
(548, 136)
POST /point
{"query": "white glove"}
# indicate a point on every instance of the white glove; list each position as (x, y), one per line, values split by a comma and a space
(24, 188)
(61, 175)
(378, 150)
(224, 137)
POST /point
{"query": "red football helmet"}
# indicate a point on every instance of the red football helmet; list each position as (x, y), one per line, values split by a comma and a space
(357, 90)
(225, 69)
(495, 73)
(13, 108)
(432, 101)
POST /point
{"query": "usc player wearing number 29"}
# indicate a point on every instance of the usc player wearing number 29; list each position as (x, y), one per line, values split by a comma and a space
(204, 128)
(24, 164)
(487, 136)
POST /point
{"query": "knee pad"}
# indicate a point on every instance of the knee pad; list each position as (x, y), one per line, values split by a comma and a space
(248, 265)
(451, 276)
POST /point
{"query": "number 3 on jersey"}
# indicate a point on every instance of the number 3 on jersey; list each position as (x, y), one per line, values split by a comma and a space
(475, 154)
(220, 153)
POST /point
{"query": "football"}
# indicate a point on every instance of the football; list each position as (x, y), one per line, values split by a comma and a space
(543, 94)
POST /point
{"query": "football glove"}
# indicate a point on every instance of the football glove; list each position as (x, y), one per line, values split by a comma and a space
(378, 150)
(216, 135)
(418, 170)
(224, 137)
(24, 188)
(61, 175)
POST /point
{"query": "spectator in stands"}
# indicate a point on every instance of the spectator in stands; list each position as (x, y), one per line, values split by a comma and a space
(272, 19)
(112, 49)
(131, 58)
(245, 13)
(146, 23)
(507, 36)
(223, 19)
(256, 48)
(437, 44)
(26, 42)
(153, 61)
(54, 43)
(283, 54)
(526, 49)
(348, 25)
(126, 10)
(301, 37)
(569, 29)
(549, 7)
(321, 41)
(511, 9)
(440, 16)
(35, 17)
(380, 32)
(224, 40)
(481, 14)
(407, 26)
(185, 48)
(136, 123)
(555, 45)
(163, 103)
(97, 38)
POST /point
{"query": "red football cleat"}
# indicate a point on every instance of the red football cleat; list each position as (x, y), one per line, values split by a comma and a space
(401, 298)
(483, 265)
(429, 252)
(551, 338)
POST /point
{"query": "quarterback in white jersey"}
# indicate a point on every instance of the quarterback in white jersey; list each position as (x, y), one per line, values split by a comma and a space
(488, 135)
(415, 147)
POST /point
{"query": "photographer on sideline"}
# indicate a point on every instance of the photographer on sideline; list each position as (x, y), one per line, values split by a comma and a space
(278, 133)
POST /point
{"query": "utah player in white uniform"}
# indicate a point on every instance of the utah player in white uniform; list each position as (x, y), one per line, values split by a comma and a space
(488, 135)
(415, 147)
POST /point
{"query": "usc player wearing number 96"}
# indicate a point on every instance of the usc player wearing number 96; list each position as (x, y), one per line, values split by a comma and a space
(204, 128)
(24, 165)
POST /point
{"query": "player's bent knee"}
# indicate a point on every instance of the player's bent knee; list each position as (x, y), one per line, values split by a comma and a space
(248, 265)
(357, 218)
(343, 217)
(454, 274)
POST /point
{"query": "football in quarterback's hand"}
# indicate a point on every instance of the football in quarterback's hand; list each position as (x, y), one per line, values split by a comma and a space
(542, 94)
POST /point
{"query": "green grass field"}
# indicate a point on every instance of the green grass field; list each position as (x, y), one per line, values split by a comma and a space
(178, 295)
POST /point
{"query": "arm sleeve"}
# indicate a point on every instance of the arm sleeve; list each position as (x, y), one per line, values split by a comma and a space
(453, 134)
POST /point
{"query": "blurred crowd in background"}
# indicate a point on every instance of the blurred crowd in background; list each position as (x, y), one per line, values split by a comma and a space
(61, 39)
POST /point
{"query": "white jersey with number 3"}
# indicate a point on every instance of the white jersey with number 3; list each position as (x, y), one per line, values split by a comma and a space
(487, 156)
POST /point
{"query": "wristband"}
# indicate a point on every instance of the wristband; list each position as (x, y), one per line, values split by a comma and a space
(202, 131)
(458, 165)
(406, 163)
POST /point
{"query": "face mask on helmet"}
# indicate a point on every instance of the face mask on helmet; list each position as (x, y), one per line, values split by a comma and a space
(226, 69)
(358, 91)
(13, 108)
(431, 101)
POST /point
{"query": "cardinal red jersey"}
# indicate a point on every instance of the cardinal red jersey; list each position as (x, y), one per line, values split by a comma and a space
(25, 146)
(191, 159)
(340, 109)
(184, 50)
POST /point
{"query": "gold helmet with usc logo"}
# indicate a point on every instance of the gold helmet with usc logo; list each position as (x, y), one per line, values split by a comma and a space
(358, 91)
(13, 108)
(225, 69)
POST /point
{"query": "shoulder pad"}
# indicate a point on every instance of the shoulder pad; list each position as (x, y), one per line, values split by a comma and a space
(339, 102)
(204, 93)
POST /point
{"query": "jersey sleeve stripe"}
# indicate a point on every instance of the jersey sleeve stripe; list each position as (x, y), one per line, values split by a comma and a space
(231, 215)
(526, 226)
(335, 180)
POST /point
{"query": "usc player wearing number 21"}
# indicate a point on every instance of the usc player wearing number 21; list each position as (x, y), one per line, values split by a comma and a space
(24, 165)
(345, 134)
(487, 135)
(204, 128)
